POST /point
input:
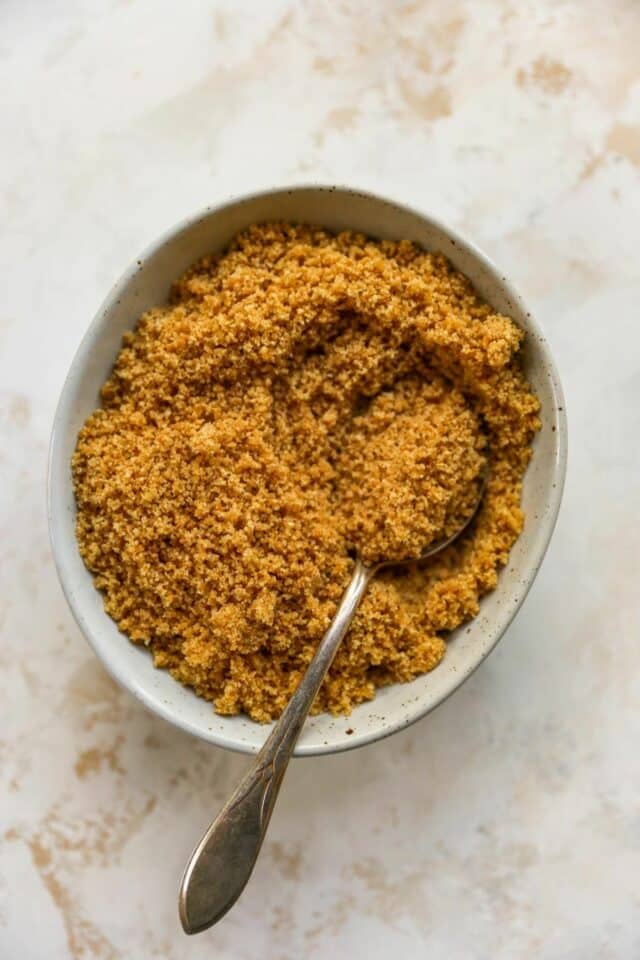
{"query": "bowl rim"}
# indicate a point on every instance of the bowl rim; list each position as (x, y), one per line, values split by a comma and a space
(538, 551)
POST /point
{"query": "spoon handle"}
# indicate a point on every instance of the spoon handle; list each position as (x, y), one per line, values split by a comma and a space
(221, 864)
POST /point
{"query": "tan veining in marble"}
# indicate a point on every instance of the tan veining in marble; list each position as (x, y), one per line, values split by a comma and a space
(444, 32)
(212, 100)
(153, 742)
(332, 920)
(61, 845)
(337, 121)
(282, 920)
(19, 410)
(390, 896)
(220, 25)
(418, 53)
(433, 105)
(32, 680)
(323, 65)
(550, 76)
(83, 938)
(287, 859)
(92, 760)
(426, 57)
(94, 696)
(341, 119)
(624, 139)
(591, 166)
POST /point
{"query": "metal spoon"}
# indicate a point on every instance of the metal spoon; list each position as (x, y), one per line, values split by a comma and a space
(221, 864)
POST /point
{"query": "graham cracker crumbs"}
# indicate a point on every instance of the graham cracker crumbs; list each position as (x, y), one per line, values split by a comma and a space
(303, 396)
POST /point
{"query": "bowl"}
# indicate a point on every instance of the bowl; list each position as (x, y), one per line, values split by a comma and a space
(145, 284)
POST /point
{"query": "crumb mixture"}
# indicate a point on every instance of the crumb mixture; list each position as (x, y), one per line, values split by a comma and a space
(408, 470)
(301, 398)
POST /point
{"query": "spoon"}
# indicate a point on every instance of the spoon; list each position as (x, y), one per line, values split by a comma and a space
(221, 864)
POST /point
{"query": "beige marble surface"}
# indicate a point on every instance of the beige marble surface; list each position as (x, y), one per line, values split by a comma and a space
(507, 824)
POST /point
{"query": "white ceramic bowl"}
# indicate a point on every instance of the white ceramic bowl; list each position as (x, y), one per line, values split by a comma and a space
(144, 285)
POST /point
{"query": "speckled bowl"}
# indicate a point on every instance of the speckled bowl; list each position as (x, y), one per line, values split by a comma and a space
(145, 284)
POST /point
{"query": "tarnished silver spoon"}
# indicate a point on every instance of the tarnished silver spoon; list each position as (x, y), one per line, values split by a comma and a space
(221, 864)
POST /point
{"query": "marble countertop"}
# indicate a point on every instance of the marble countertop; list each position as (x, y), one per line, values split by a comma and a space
(507, 823)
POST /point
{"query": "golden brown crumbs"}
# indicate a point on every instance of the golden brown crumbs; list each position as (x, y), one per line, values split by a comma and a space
(303, 396)
(408, 469)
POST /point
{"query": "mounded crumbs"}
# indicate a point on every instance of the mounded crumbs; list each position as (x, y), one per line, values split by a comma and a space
(302, 398)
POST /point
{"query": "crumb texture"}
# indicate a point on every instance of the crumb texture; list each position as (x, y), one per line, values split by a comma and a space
(301, 397)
